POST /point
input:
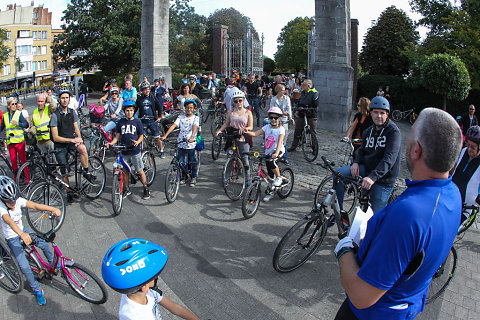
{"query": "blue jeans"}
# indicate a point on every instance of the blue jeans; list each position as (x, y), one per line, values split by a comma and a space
(378, 194)
(190, 154)
(17, 250)
(255, 103)
(110, 126)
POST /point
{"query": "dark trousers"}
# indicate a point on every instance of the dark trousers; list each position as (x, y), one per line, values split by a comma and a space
(299, 124)
(345, 313)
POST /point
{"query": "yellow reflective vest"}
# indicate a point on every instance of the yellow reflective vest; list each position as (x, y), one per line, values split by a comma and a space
(41, 123)
(14, 132)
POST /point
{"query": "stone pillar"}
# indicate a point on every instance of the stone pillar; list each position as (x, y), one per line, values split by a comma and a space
(219, 42)
(332, 70)
(154, 42)
(354, 63)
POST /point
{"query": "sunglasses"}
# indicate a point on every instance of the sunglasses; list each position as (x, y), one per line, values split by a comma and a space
(273, 118)
(237, 100)
(114, 93)
(472, 109)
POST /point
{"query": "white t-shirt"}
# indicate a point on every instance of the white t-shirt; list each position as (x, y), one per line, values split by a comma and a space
(185, 124)
(271, 138)
(15, 215)
(131, 310)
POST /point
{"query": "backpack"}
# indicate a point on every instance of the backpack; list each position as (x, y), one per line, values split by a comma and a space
(204, 93)
(97, 111)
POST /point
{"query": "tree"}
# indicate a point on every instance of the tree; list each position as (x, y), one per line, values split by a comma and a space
(268, 65)
(386, 45)
(447, 76)
(234, 20)
(4, 50)
(292, 48)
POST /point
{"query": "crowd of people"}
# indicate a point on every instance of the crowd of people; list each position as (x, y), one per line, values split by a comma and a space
(376, 273)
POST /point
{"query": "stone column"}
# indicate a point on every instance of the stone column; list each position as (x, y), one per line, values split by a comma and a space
(354, 36)
(219, 35)
(332, 70)
(155, 26)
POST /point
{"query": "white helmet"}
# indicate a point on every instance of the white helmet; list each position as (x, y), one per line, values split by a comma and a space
(238, 94)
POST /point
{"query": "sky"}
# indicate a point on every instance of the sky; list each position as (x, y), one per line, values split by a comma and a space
(268, 16)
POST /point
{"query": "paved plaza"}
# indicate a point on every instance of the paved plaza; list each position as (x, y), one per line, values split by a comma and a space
(220, 265)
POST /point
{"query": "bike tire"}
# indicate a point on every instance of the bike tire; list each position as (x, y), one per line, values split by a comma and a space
(28, 175)
(251, 200)
(397, 115)
(3, 172)
(216, 123)
(216, 146)
(309, 146)
(49, 194)
(285, 190)
(117, 192)
(300, 243)
(350, 199)
(234, 178)
(443, 276)
(37, 268)
(149, 167)
(467, 223)
(172, 182)
(81, 277)
(96, 168)
(12, 281)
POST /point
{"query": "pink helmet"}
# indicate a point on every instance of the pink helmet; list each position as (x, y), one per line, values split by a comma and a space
(275, 110)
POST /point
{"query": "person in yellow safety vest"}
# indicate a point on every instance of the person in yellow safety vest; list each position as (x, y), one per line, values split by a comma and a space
(14, 123)
(41, 121)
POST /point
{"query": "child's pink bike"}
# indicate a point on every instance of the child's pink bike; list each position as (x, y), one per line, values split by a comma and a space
(83, 281)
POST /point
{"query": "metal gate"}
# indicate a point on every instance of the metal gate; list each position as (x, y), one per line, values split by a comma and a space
(244, 55)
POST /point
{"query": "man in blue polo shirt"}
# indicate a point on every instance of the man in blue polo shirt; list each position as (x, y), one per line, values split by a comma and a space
(409, 239)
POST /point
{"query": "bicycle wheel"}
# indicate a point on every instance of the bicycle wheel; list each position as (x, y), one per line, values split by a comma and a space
(149, 167)
(309, 146)
(234, 178)
(216, 123)
(12, 279)
(285, 190)
(37, 268)
(50, 195)
(350, 198)
(468, 222)
(85, 283)
(97, 169)
(28, 175)
(397, 115)
(4, 173)
(172, 182)
(300, 243)
(412, 118)
(216, 146)
(251, 200)
(117, 192)
(441, 279)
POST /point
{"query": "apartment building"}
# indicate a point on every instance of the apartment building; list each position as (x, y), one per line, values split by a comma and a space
(29, 37)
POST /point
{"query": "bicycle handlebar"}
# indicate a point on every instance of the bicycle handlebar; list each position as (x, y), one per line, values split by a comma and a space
(329, 165)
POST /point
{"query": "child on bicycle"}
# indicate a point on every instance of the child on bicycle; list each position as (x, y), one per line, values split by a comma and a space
(274, 148)
(188, 124)
(140, 296)
(11, 211)
(129, 132)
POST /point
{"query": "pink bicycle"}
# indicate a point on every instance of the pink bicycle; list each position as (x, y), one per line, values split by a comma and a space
(83, 281)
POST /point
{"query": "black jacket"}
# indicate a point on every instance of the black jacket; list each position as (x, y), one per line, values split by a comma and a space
(156, 106)
(380, 153)
(465, 122)
(309, 100)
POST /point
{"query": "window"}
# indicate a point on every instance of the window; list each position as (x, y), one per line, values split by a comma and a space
(44, 34)
(34, 35)
(24, 33)
(34, 66)
(44, 65)
(44, 50)
(24, 50)
(9, 34)
(35, 15)
(25, 66)
(34, 51)
(6, 69)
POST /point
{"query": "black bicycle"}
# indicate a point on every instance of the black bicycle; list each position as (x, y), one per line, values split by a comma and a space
(308, 140)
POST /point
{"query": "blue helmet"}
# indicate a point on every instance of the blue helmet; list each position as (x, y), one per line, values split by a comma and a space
(62, 91)
(187, 101)
(131, 263)
(380, 103)
(128, 103)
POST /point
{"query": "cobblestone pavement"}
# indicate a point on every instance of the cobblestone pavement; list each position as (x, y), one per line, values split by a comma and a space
(220, 265)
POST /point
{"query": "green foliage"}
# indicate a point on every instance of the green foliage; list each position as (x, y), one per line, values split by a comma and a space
(234, 20)
(268, 65)
(446, 76)
(434, 13)
(4, 50)
(292, 49)
(387, 43)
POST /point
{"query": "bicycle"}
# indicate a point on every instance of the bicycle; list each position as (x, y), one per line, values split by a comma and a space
(471, 213)
(219, 118)
(119, 169)
(97, 141)
(234, 179)
(251, 198)
(308, 139)
(398, 115)
(349, 150)
(149, 142)
(177, 171)
(12, 279)
(306, 236)
(217, 145)
(443, 276)
(3, 155)
(82, 281)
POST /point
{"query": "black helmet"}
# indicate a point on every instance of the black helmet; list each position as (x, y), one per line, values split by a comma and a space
(473, 134)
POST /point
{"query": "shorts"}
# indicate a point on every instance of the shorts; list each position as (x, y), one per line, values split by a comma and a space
(134, 160)
(272, 163)
(61, 154)
(153, 126)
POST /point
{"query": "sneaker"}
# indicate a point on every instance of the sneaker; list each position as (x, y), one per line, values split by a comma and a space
(183, 180)
(277, 182)
(193, 182)
(90, 178)
(126, 192)
(40, 298)
(331, 221)
(162, 155)
(287, 163)
(268, 197)
(146, 194)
